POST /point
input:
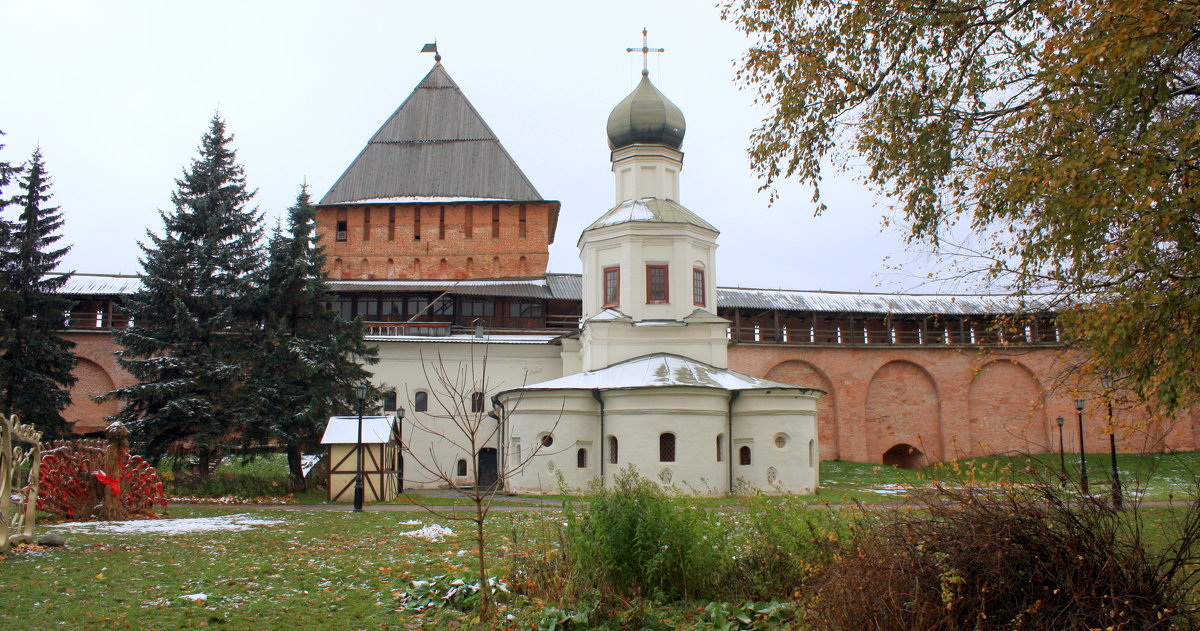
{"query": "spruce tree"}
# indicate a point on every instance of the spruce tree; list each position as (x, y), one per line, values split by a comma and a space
(310, 358)
(35, 362)
(194, 329)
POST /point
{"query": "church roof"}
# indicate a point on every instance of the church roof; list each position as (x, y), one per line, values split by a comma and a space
(650, 209)
(658, 370)
(436, 145)
(646, 117)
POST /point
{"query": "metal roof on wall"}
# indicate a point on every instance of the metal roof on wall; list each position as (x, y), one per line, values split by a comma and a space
(435, 145)
(846, 302)
(569, 287)
(101, 285)
(512, 288)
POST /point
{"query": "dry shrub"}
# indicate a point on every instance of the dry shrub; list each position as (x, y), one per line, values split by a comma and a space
(1021, 557)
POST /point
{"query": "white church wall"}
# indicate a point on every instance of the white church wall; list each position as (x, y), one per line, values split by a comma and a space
(646, 171)
(633, 246)
(638, 418)
(780, 429)
(409, 366)
(606, 343)
(571, 419)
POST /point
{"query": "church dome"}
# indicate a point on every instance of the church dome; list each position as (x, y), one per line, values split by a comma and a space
(645, 117)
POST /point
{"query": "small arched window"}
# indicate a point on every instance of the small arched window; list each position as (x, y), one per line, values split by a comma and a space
(421, 401)
(720, 447)
(477, 402)
(581, 459)
(612, 450)
(460, 469)
(389, 402)
(666, 447)
(812, 453)
(744, 455)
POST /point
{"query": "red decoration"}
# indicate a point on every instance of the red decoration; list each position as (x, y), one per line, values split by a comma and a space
(66, 488)
(109, 482)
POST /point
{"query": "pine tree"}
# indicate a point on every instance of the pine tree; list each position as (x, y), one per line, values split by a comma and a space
(35, 363)
(311, 358)
(193, 332)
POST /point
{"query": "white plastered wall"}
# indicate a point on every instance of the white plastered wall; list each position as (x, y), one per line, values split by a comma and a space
(571, 418)
(632, 246)
(759, 418)
(646, 171)
(408, 366)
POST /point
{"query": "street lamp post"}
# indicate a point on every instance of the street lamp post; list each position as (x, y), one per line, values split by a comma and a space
(1062, 459)
(360, 393)
(1083, 481)
(1107, 381)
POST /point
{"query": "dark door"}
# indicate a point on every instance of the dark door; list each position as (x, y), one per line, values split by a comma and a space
(488, 471)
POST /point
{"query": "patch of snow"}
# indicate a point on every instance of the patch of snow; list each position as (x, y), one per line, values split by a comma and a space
(411, 522)
(199, 599)
(434, 533)
(226, 523)
(307, 463)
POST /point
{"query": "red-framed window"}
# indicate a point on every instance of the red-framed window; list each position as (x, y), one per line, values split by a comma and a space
(612, 286)
(697, 286)
(657, 291)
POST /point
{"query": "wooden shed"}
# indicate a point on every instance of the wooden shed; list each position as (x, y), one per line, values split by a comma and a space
(382, 460)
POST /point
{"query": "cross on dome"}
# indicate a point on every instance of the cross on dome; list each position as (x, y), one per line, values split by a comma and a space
(645, 50)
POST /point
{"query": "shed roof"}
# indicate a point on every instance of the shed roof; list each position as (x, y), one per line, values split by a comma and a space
(435, 145)
(658, 370)
(343, 430)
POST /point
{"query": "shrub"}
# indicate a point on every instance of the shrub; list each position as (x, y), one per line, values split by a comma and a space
(783, 543)
(631, 540)
(263, 476)
(1021, 557)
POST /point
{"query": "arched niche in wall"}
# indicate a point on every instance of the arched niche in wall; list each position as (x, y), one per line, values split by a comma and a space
(1006, 411)
(802, 373)
(91, 380)
(903, 408)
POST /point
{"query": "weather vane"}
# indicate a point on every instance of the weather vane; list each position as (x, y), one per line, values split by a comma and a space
(645, 50)
(432, 48)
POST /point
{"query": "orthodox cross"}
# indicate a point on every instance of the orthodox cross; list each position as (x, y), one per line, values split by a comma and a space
(645, 50)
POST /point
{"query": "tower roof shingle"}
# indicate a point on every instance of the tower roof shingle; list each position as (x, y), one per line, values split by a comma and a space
(436, 145)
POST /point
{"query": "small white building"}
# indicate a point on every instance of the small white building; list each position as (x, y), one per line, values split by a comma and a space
(381, 463)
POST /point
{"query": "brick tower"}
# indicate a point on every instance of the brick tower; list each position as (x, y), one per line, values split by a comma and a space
(434, 195)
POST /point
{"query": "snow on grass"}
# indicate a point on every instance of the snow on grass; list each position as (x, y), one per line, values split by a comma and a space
(225, 523)
(432, 532)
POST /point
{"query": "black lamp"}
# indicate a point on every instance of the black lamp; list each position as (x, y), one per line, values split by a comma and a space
(360, 394)
(1083, 480)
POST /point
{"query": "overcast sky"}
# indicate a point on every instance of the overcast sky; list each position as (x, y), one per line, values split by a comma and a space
(117, 95)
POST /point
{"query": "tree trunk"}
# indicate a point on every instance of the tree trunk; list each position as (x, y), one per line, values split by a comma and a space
(299, 485)
(205, 461)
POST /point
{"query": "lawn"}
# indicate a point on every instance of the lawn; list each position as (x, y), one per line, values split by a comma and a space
(318, 569)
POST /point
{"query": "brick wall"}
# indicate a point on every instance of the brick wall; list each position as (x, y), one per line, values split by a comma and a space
(953, 401)
(438, 241)
(97, 373)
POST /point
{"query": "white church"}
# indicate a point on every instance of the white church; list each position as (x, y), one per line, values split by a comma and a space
(641, 377)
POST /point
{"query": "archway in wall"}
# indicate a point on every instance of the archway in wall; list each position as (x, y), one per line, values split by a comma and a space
(91, 380)
(1006, 412)
(802, 373)
(903, 408)
(904, 456)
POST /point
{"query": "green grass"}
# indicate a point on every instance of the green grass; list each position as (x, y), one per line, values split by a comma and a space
(1152, 477)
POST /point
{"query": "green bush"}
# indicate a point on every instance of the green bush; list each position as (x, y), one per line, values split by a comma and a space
(784, 543)
(631, 540)
(263, 476)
